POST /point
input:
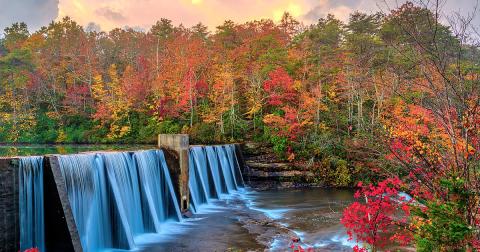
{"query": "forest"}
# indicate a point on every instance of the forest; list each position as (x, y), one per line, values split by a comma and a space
(388, 102)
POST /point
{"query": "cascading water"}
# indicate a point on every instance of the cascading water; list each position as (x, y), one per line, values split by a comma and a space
(116, 197)
(232, 158)
(199, 161)
(214, 170)
(157, 188)
(226, 168)
(123, 177)
(196, 183)
(32, 231)
(91, 202)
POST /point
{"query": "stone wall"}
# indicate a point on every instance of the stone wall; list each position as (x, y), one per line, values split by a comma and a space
(9, 214)
(263, 170)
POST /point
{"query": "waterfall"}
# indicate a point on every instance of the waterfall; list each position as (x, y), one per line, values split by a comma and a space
(198, 160)
(232, 158)
(116, 197)
(92, 202)
(213, 171)
(157, 188)
(198, 177)
(226, 168)
(123, 177)
(32, 233)
(216, 170)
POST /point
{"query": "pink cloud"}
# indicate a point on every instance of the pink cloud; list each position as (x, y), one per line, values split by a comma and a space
(118, 13)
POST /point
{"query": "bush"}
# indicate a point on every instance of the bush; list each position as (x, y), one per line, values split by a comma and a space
(442, 225)
(169, 127)
(203, 133)
(333, 171)
(342, 173)
(45, 130)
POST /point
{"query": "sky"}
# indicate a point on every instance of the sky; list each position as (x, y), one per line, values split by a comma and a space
(109, 14)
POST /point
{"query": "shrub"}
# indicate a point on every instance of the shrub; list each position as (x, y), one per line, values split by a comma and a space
(342, 173)
(202, 133)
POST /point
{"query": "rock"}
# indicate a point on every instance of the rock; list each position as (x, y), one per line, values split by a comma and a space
(254, 148)
(283, 174)
(187, 214)
(268, 166)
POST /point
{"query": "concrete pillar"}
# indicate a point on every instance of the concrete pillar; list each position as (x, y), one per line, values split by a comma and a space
(178, 164)
(9, 214)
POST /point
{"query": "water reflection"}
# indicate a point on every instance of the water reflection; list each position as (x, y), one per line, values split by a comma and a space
(8, 150)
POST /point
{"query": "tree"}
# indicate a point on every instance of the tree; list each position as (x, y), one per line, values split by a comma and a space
(384, 217)
(430, 130)
(16, 116)
(113, 106)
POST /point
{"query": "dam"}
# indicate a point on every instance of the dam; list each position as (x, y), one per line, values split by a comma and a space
(156, 199)
(109, 200)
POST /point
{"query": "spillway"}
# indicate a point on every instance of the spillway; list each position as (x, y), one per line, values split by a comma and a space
(116, 197)
(214, 171)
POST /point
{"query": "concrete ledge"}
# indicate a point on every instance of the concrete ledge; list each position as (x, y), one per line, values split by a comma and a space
(174, 141)
(172, 158)
(60, 229)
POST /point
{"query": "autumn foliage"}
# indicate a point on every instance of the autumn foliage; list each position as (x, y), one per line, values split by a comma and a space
(380, 216)
(390, 99)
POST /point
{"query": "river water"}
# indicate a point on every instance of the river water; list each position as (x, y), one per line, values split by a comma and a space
(265, 220)
(312, 214)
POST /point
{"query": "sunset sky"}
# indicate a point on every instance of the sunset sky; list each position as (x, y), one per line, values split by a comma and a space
(142, 14)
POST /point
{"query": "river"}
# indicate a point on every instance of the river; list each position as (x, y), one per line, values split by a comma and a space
(255, 221)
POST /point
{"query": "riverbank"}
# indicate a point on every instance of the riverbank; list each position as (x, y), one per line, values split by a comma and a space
(264, 170)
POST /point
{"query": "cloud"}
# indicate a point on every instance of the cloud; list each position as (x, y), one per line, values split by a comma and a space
(343, 8)
(36, 13)
(144, 13)
(111, 14)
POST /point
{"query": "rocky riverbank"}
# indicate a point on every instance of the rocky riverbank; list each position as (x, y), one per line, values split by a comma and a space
(264, 171)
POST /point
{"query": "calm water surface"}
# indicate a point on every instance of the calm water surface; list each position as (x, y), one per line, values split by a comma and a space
(8, 150)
